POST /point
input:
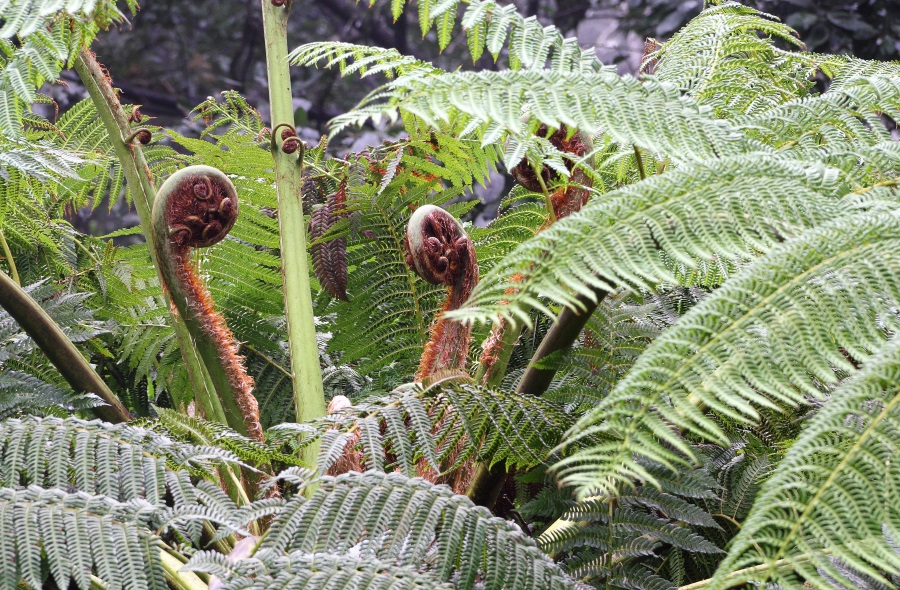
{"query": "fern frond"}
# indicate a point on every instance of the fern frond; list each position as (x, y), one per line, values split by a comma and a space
(650, 115)
(775, 334)
(362, 59)
(122, 462)
(412, 523)
(203, 433)
(488, 24)
(823, 517)
(67, 527)
(729, 209)
(313, 571)
(472, 424)
(726, 58)
(37, 39)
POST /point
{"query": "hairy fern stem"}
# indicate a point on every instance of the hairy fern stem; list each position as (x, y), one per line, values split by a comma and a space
(140, 183)
(196, 207)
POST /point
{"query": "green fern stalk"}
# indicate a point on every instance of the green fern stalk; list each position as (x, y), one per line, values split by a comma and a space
(309, 395)
(59, 349)
(488, 481)
(138, 176)
(10, 261)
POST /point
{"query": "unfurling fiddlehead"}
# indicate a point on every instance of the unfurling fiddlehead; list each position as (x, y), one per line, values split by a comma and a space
(194, 208)
(440, 251)
(329, 257)
(568, 199)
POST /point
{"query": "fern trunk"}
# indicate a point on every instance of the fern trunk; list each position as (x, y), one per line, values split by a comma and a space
(309, 395)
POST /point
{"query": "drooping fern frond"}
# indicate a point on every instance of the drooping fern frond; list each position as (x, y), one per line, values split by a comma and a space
(363, 59)
(314, 571)
(698, 211)
(824, 516)
(650, 115)
(836, 126)
(411, 523)
(777, 333)
(119, 461)
(65, 527)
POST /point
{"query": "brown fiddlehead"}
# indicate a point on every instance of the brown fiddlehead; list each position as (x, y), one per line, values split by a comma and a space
(195, 208)
(440, 251)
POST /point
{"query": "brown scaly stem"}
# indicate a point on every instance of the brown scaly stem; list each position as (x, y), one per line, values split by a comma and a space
(59, 349)
(195, 208)
(441, 252)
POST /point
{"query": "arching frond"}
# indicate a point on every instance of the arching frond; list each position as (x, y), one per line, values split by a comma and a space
(650, 115)
(363, 59)
(778, 332)
(722, 210)
(488, 24)
(827, 511)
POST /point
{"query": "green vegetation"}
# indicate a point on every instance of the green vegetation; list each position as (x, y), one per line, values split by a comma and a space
(669, 363)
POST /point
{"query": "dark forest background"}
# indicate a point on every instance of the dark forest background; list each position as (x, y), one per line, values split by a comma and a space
(173, 54)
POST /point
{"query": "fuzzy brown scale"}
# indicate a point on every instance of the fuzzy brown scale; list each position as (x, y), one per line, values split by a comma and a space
(201, 212)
